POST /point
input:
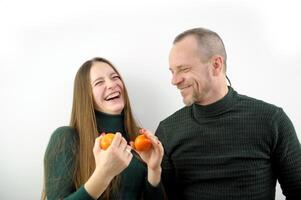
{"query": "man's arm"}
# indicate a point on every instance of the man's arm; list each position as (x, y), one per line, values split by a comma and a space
(169, 179)
(287, 156)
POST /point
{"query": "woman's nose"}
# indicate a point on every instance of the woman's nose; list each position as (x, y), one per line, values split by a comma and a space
(111, 84)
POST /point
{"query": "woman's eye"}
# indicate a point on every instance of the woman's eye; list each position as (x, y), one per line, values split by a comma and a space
(116, 77)
(99, 83)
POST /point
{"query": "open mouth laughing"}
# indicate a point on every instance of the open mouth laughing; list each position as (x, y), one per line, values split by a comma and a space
(112, 96)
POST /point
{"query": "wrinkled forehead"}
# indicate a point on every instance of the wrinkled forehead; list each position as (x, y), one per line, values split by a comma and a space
(184, 52)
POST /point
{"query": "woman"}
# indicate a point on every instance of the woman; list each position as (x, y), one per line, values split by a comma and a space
(75, 165)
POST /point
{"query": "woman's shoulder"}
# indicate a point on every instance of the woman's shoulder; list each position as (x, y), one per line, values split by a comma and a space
(64, 135)
(64, 131)
(60, 154)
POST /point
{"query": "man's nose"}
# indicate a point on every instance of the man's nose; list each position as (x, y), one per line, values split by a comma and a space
(176, 79)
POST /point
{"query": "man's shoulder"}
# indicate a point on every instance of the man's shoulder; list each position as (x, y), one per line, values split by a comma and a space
(258, 104)
(177, 116)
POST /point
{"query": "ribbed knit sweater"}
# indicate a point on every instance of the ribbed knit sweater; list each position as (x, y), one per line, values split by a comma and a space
(235, 148)
(59, 158)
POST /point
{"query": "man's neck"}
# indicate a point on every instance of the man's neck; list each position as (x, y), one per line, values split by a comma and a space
(215, 94)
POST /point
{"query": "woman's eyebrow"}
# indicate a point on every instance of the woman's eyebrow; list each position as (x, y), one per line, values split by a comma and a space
(98, 79)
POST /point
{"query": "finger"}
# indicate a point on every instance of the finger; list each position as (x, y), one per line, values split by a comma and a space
(117, 140)
(132, 144)
(96, 147)
(123, 144)
(129, 158)
(100, 136)
(161, 148)
(157, 146)
(128, 149)
(152, 137)
(145, 131)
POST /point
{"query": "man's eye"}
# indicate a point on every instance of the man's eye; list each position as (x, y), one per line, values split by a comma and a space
(116, 77)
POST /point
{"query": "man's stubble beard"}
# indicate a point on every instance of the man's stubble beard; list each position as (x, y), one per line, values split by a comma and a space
(190, 100)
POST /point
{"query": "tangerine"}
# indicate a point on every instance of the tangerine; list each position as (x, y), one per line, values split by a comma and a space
(142, 143)
(106, 140)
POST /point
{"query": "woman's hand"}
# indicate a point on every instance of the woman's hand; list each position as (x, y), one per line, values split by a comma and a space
(108, 164)
(152, 157)
(115, 159)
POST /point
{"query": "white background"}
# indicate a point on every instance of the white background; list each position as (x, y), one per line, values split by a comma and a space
(43, 43)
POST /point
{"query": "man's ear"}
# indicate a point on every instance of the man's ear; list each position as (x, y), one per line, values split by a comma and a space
(217, 62)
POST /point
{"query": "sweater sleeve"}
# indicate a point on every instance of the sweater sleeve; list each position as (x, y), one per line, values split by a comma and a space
(59, 166)
(151, 192)
(287, 156)
(168, 173)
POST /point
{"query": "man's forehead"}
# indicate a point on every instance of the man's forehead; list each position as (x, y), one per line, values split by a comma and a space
(189, 41)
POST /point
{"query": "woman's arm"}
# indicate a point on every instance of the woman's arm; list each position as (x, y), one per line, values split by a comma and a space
(153, 159)
(60, 165)
(109, 163)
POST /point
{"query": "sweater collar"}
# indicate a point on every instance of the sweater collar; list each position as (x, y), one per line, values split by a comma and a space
(215, 109)
(109, 122)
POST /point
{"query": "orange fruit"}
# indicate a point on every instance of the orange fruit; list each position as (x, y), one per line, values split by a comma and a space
(142, 143)
(106, 140)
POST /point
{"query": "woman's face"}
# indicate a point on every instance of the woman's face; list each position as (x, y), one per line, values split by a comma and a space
(107, 88)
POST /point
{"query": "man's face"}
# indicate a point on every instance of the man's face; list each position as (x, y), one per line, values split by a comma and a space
(191, 76)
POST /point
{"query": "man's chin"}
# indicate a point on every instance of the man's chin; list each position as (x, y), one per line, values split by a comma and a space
(188, 102)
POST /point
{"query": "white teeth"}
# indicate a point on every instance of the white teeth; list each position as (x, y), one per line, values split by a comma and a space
(113, 95)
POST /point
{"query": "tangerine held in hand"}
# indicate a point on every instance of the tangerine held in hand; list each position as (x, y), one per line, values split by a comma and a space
(142, 143)
(106, 140)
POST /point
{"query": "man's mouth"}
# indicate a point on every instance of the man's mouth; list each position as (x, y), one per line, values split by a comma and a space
(183, 88)
(113, 96)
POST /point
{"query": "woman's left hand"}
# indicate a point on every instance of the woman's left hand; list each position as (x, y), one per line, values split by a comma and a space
(152, 157)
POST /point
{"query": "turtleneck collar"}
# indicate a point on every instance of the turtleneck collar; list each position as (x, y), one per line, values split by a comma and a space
(109, 122)
(221, 106)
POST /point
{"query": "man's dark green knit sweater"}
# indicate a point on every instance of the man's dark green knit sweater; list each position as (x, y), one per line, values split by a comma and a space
(59, 159)
(235, 148)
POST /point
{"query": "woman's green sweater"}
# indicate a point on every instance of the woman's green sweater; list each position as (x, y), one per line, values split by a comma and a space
(60, 165)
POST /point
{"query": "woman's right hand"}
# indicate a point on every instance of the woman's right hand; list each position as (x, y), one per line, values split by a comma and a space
(109, 163)
(115, 159)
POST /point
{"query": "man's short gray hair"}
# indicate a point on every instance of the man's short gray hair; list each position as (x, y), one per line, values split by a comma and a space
(209, 42)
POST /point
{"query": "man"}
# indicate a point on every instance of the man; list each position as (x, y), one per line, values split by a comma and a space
(223, 145)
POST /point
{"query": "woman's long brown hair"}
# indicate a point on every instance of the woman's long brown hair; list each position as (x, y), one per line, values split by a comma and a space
(84, 122)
